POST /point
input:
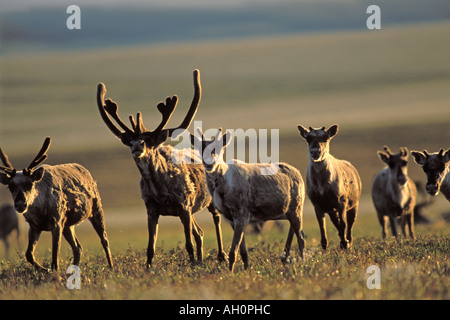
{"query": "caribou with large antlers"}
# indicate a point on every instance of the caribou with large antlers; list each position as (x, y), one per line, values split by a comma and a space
(168, 187)
(55, 198)
(394, 193)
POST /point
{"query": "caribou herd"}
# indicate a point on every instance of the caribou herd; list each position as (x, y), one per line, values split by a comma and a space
(182, 182)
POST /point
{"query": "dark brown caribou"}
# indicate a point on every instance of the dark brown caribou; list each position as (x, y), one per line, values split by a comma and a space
(56, 199)
(394, 193)
(169, 188)
(437, 169)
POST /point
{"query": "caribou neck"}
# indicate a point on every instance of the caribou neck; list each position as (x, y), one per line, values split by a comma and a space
(323, 167)
(152, 166)
(445, 186)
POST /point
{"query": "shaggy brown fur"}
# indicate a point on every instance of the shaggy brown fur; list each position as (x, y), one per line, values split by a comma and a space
(56, 199)
(332, 185)
(167, 187)
(394, 193)
(243, 194)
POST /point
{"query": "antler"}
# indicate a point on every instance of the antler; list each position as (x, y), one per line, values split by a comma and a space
(112, 108)
(41, 156)
(8, 168)
(388, 151)
(5, 160)
(194, 105)
(138, 127)
(166, 110)
(101, 92)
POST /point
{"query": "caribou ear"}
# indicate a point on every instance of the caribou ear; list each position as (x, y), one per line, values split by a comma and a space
(303, 131)
(447, 156)
(332, 131)
(37, 174)
(419, 157)
(404, 152)
(383, 156)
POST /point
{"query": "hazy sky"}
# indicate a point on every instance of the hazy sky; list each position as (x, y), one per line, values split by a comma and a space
(6, 5)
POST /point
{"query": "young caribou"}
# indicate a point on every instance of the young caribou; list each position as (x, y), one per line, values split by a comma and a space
(394, 193)
(167, 188)
(9, 221)
(437, 169)
(55, 198)
(332, 185)
(246, 193)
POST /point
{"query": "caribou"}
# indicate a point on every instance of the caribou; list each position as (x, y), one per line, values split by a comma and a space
(9, 221)
(332, 185)
(394, 193)
(251, 192)
(56, 199)
(437, 169)
(172, 182)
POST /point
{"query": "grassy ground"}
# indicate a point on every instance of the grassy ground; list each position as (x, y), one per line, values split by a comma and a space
(388, 87)
(409, 270)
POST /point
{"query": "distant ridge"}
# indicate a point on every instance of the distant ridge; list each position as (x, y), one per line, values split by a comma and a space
(44, 28)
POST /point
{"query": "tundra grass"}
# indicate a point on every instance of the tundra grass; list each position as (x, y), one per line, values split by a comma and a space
(409, 269)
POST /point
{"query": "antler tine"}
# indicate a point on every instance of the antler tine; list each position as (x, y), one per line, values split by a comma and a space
(101, 92)
(166, 110)
(41, 156)
(5, 161)
(112, 108)
(133, 123)
(140, 128)
(7, 170)
(388, 151)
(194, 105)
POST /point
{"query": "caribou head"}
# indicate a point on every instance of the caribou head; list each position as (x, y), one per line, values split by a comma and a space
(138, 138)
(211, 150)
(22, 183)
(435, 166)
(318, 141)
(397, 163)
